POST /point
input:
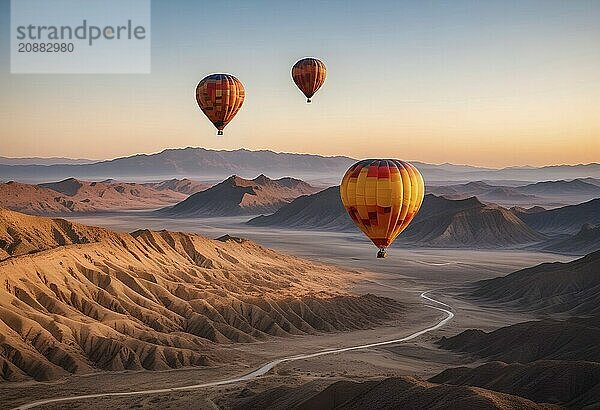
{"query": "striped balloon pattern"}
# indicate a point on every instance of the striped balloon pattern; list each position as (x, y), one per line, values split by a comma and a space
(309, 75)
(220, 97)
(382, 196)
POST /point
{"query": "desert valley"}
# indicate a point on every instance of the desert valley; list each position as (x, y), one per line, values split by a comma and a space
(248, 286)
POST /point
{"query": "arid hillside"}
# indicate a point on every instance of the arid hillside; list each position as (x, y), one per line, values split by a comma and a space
(72, 196)
(239, 196)
(78, 299)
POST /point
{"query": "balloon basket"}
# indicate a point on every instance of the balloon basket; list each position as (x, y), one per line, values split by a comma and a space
(382, 253)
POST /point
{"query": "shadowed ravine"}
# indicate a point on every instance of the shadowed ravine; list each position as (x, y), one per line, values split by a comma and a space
(262, 370)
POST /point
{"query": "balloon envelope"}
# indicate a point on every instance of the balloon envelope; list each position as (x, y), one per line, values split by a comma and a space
(382, 196)
(309, 75)
(220, 97)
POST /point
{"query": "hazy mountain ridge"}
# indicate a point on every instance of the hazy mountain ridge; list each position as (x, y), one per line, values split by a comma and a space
(200, 162)
(566, 220)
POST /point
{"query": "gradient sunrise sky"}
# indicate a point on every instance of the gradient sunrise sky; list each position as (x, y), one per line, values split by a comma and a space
(477, 82)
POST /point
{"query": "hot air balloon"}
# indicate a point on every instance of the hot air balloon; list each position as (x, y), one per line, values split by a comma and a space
(309, 75)
(382, 196)
(220, 97)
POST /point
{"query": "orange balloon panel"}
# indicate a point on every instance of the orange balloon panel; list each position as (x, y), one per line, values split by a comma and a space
(382, 196)
(220, 97)
(309, 75)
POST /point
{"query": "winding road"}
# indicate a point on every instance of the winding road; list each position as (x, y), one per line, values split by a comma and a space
(265, 368)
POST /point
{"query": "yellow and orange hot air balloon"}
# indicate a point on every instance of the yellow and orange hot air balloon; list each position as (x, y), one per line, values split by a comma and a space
(309, 75)
(382, 196)
(220, 97)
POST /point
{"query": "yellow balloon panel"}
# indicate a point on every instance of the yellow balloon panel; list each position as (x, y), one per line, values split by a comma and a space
(382, 196)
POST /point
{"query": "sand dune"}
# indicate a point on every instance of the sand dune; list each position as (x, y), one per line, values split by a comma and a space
(76, 299)
(573, 384)
(392, 393)
(72, 195)
(239, 196)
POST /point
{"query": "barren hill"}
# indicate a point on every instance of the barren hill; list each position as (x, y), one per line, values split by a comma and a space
(78, 299)
(548, 339)
(467, 222)
(585, 241)
(239, 196)
(574, 384)
(72, 195)
(572, 287)
(391, 393)
(568, 219)
(323, 210)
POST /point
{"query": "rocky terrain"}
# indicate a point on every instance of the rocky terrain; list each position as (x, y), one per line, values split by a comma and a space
(390, 393)
(569, 288)
(80, 299)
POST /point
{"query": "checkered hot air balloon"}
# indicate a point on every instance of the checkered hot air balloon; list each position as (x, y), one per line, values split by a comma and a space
(220, 97)
(309, 75)
(382, 196)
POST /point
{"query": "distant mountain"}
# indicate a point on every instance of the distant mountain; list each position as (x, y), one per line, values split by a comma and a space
(323, 210)
(572, 287)
(467, 222)
(585, 241)
(44, 161)
(573, 384)
(565, 220)
(484, 192)
(196, 163)
(440, 221)
(185, 186)
(390, 393)
(204, 164)
(548, 339)
(560, 188)
(72, 195)
(547, 193)
(239, 196)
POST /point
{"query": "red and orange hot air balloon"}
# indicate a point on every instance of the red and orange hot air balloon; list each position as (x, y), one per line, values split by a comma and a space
(220, 97)
(382, 196)
(309, 75)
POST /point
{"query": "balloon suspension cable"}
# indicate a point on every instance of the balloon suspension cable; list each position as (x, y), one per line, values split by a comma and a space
(219, 132)
(308, 100)
(382, 253)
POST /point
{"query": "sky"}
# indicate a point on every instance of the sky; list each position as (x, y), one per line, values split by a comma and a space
(491, 83)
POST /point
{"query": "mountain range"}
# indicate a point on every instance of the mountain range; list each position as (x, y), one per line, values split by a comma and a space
(205, 164)
(440, 221)
(72, 195)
